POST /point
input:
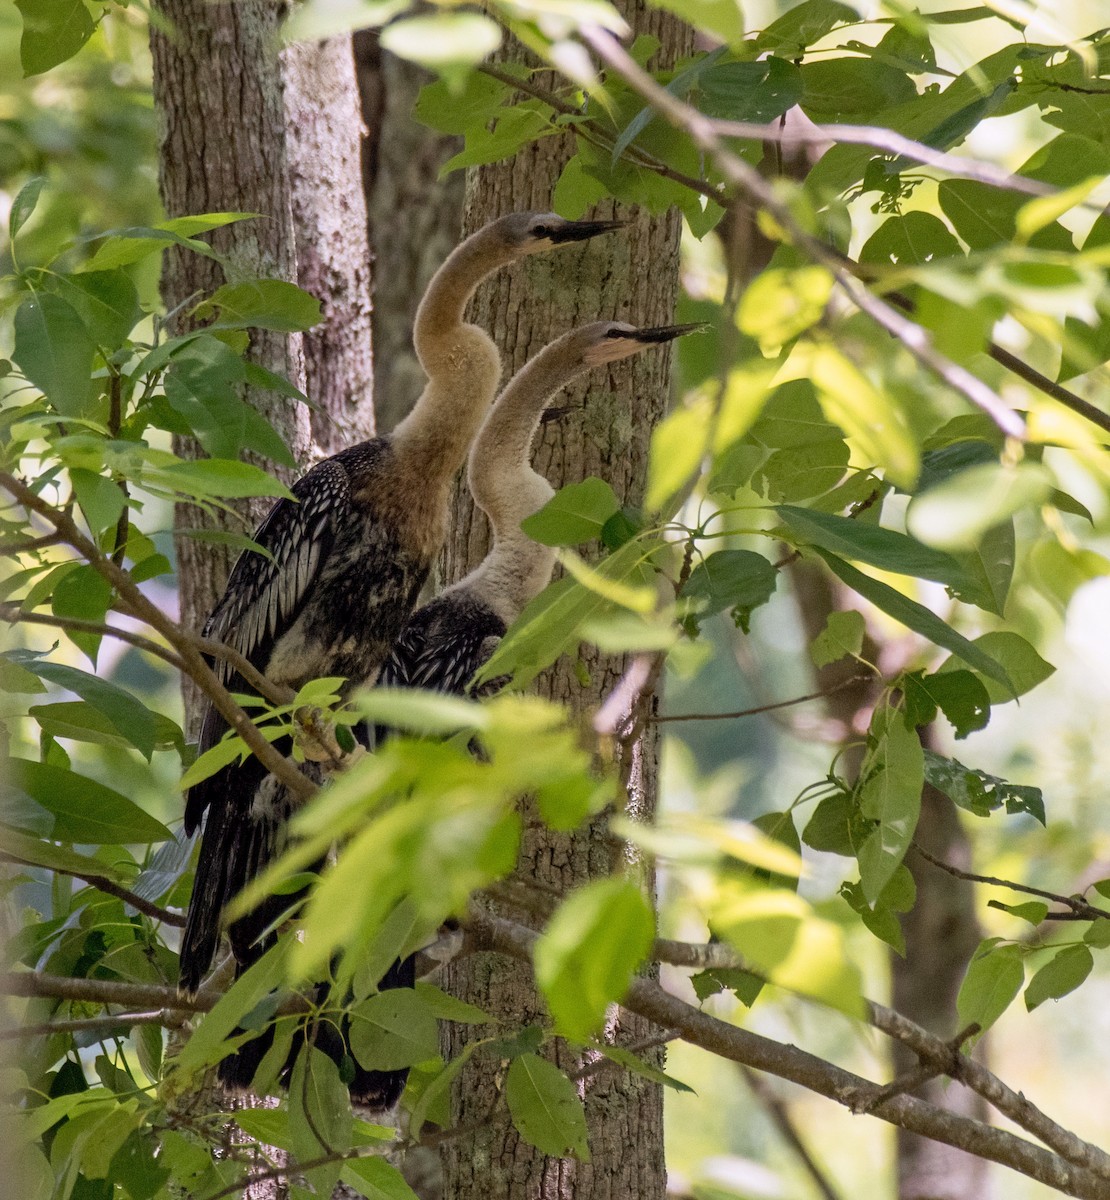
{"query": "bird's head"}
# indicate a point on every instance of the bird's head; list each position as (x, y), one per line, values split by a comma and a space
(610, 341)
(533, 233)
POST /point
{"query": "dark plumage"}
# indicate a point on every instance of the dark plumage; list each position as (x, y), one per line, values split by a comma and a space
(348, 556)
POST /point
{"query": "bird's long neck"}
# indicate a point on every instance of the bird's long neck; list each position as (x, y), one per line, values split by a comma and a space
(461, 362)
(507, 489)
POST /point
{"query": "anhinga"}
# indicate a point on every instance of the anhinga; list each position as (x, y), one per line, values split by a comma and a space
(448, 639)
(349, 556)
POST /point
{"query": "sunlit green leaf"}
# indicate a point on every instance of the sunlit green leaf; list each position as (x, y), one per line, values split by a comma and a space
(545, 1108)
(1062, 974)
(576, 513)
(53, 30)
(393, 1029)
(994, 977)
(54, 350)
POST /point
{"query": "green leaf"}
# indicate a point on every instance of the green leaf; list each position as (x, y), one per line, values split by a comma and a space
(804, 471)
(883, 548)
(320, 1120)
(804, 24)
(449, 1008)
(457, 110)
(677, 448)
(1063, 973)
(959, 694)
(893, 777)
(576, 513)
(1024, 667)
(443, 42)
(842, 637)
(739, 580)
(587, 954)
(84, 811)
(40, 853)
(844, 88)
(830, 827)
(24, 205)
(781, 303)
(1098, 933)
(84, 594)
(393, 1029)
(1033, 911)
(130, 718)
(217, 477)
(54, 350)
(545, 1108)
(53, 30)
(419, 711)
(208, 1042)
(101, 500)
(979, 792)
(954, 514)
(371, 1176)
(910, 239)
(994, 977)
(106, 301)
(262, 304)
(792, 417)
(758, 91)
(637, 1066)
(270, 1126)
(916, 617)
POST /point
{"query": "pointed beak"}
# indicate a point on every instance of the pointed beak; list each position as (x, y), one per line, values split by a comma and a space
(580, 231)
(662, 333)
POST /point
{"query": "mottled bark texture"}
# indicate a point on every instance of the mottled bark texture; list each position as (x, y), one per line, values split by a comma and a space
(414, 216)
(222, 100)
(329, 227)
(632, 276)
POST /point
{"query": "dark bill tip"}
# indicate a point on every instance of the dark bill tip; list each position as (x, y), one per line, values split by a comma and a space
(661, 333)
(579, 231)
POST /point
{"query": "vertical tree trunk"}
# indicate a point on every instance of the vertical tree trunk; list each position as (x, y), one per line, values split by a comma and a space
(248, 128)
(222, 99)
(414, 216)
(630, 276)
(323, 133)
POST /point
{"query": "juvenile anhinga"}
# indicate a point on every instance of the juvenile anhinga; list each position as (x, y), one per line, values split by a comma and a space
(348, 559)
(448, 639)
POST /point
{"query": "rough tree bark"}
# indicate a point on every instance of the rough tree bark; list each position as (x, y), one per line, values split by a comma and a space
(248, 128)
(222, 94)
(414, 216)
(630, 276)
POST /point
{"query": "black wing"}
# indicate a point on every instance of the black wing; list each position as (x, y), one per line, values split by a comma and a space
(264, 596)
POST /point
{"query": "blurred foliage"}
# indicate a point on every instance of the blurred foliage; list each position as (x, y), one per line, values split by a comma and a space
(803, 430)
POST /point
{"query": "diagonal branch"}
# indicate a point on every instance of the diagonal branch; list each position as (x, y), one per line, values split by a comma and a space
(747, 179)
(749, 1049)
(193, 663)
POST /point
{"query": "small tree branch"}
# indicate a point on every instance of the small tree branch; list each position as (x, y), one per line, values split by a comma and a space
(749, 1049)
(852, 681)
(110, 888)
(193, 664)
(747, 179)
(1080, 908)
(117, 1023)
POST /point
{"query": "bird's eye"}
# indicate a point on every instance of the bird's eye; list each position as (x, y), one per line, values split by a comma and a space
(540, 230)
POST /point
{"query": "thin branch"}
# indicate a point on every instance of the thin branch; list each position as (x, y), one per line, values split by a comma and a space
(13, 613)
(762, 708)
(103, 884)
(26, 545)
(892, 143)
(1079, 907)
(780, 1117)
(117, 1023)
(749, 1049)
(742, 175)
(931, 1050)
(194, 664)
(910, 1081)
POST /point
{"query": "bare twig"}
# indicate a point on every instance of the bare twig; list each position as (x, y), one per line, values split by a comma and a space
(1080, 908)
(783, 1122)
(115, 1023)
(110, 888)
(747, 179)
(762, 708)
(931, 1050)
(193, 663)
(649, 1000)
(927, 1069)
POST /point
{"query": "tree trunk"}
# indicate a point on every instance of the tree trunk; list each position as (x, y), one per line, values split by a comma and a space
(630, 276)
(414, 216)
(284, 144)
